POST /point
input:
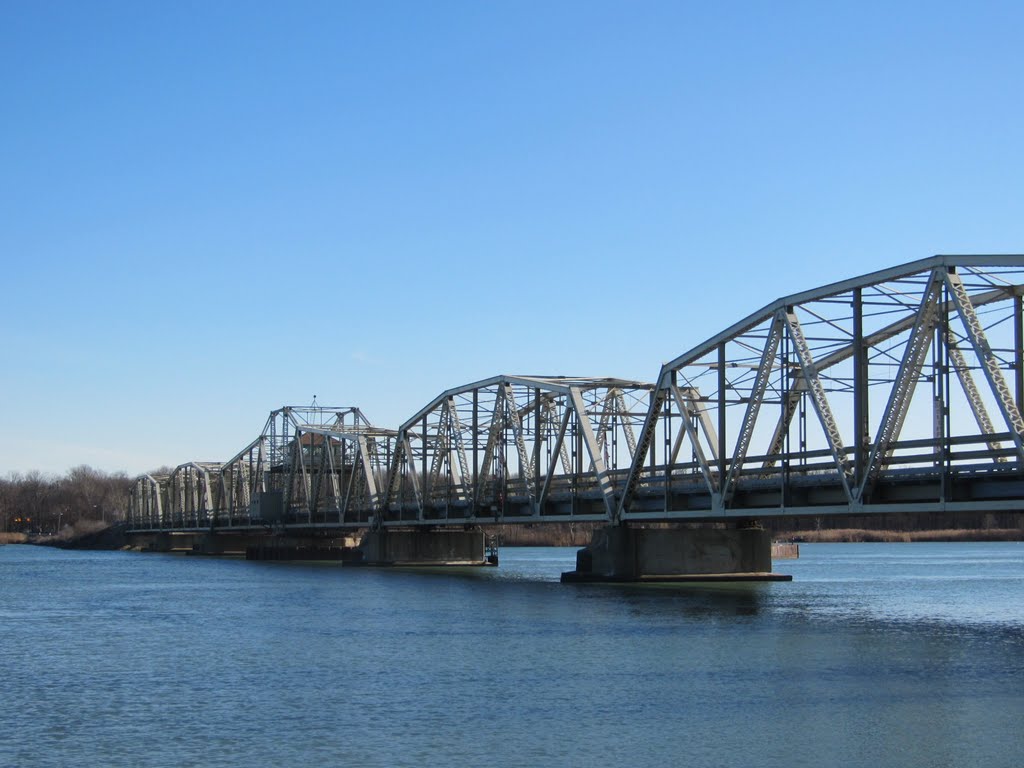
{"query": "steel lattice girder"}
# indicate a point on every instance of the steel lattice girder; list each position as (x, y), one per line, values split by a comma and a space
(834, 399)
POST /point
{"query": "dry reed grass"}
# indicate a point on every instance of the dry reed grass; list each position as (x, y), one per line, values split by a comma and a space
(843, 535)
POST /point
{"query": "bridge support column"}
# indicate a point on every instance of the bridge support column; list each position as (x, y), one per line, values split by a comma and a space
(168, 541)
(317, 549)
(414, 547)
(621, 553)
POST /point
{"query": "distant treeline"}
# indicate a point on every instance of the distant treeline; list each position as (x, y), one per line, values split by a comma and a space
(38, 503)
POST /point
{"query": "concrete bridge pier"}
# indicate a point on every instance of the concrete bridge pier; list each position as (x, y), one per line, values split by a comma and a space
(425, 547)
(164, 541)
(340, 547)
(221, 544)
(623, 553)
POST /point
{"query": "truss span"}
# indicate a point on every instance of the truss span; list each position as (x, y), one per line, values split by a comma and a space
(897, 391)
(900, 390)
(517, 448)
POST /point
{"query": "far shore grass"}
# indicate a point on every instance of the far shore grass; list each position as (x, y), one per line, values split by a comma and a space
(69, 533)
(561, 535)
(854, 535)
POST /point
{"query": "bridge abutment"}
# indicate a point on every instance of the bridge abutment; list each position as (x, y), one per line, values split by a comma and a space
(431, 547)
(622, 553)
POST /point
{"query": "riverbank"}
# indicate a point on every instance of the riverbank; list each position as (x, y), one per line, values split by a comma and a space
(94, 535)
(853, 535)
(579, 535)
(86, 534)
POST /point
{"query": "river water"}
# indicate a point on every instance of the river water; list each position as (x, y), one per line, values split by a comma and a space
(875, 655)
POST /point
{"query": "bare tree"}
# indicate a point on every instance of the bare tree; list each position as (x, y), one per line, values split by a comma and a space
(37, 503)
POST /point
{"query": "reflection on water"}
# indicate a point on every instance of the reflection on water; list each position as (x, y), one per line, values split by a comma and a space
(874, 655)
(696, 601)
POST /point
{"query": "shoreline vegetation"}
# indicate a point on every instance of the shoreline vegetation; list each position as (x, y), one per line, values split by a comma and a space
(94, 534)
(578, 535)
(859, 535)
(84, 534)
(36, 504)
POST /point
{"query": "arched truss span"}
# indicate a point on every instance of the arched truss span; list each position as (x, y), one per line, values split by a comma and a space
(895, 391)
(242, 480)
(147, 502)
(332, 475)
(526, 447)
(291, 473)
(308, 462)
(193, 494)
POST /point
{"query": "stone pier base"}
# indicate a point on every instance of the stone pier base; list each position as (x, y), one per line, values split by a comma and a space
(433, 548)
(620, 553)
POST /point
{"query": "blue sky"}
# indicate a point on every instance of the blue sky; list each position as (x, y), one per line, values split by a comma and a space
(213, 209)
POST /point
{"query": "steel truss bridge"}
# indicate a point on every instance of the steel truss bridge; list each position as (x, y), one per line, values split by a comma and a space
(897, 391)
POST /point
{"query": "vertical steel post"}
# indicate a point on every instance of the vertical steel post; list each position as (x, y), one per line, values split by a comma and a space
(476, 429)
(947, 423)
(577, 447)
(721, 414)
(666, 426)
(342, 457)
(786, 383)
(536, 446)
(938, 395)
(860, 390)
(427, 489)
(1018, 350)
(653, 397)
